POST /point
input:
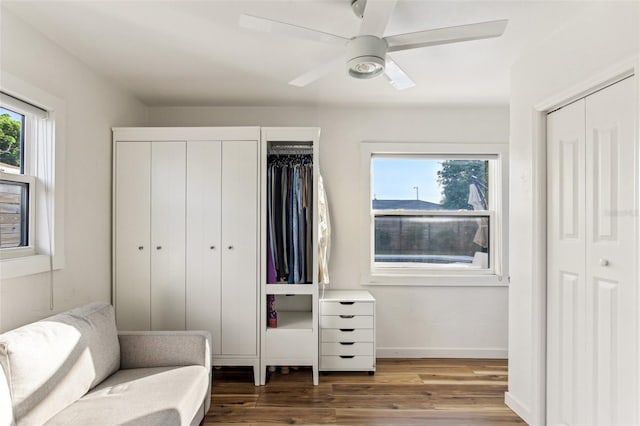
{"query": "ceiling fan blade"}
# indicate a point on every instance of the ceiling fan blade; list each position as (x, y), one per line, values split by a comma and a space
(446, 35)
(376, 17)
(316, 73)
(275, 27)
(396, 76)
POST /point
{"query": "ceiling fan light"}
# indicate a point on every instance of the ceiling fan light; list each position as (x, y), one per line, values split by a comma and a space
(366, 56)
(365, 67)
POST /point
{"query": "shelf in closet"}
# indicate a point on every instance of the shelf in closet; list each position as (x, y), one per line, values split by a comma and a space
(293, 320)
(289, 289)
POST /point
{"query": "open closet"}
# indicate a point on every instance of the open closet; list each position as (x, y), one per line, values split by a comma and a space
(289, 272)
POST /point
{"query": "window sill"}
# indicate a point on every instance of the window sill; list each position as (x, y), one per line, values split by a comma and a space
(449, 280)
(27, 265)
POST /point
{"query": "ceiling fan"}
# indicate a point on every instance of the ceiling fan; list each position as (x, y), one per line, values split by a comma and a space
(367, 52)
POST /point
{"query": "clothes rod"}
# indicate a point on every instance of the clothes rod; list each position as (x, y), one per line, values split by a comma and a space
(291, 152)
(290, 146)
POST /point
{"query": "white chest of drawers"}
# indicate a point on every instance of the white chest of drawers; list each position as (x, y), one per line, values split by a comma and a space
(347, 331)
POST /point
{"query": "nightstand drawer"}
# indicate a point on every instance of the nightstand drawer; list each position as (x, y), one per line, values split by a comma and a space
(346, 321)
(347, 362)
(346, 348)
(347, 335)
(346, 308)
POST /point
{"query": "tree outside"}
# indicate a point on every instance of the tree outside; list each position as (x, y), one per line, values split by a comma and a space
(455, 177)
(10, 140)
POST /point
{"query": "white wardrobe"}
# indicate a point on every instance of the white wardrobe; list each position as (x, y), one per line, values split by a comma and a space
(592, 285)
(186, 235)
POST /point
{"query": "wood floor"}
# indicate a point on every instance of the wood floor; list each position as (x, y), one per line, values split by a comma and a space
(402, 392)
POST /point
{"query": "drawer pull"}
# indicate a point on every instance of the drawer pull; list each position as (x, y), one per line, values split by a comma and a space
(347, 303)
(347, 316)
(347, 343)
(347, 356)
(347, 330)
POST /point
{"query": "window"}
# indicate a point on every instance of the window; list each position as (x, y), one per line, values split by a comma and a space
(434, 212)
(32, 124)
(16, 186)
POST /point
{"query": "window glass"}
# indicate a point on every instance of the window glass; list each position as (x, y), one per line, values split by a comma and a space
(14, 214)
(11, 141)
(423, 212)
(429, 184)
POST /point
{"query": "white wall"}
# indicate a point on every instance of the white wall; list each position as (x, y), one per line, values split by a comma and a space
(412, 321)
(93, 106)
(589, 45)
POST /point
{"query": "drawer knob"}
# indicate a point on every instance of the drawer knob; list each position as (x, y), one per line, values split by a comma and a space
(347, 316)
(347, 330)
(347, 356)
(347, 343)
(347, 303)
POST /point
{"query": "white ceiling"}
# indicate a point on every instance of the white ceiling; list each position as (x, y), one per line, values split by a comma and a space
(193, 52)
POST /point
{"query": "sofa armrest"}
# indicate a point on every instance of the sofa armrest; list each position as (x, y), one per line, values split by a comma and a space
(140, 349)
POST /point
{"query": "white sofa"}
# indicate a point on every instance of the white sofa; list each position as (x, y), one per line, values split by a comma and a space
(74, 368)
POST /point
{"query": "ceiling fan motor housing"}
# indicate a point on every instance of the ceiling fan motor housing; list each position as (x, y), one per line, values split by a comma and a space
(366, 56)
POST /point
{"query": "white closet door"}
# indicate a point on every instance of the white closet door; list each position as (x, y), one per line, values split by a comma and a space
(592, 323)
(240, 242)
(611, 281)
(132, 235)
(168, 235)
(566, 263)
(204, 179)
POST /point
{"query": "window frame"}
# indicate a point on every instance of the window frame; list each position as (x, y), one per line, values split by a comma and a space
(48, 205)
(497, 210)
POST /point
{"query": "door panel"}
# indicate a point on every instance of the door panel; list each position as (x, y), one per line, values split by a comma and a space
(203, 286)
(566, 262)
(132, 235)
(168, 235)
(611, 206)
(239, 247)
(569, 294)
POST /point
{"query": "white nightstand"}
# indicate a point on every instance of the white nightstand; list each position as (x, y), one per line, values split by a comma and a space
(348, 331)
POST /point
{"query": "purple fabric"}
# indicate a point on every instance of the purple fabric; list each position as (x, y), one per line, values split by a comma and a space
(271, 269)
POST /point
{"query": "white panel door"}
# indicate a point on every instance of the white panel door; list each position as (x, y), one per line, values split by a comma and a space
(592, 296)
(611, 280)
(240, 247)
(566, 262)
(168, 190)
(204, 198)
(132, 235)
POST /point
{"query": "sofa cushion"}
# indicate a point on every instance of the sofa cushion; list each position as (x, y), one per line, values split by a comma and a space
(53, 362)
(141, 396)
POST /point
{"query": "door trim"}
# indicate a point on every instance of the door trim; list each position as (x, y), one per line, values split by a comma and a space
(620, 71)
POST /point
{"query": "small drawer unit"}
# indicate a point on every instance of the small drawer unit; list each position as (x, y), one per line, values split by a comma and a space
(347, 331)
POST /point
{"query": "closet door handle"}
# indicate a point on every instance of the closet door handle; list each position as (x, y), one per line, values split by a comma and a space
(347, 316)
(347, 303)
(140, 247)
(347, 343)
(212, 247)
(347, 330)
(230, 247)
(159, 248)
(346, 356)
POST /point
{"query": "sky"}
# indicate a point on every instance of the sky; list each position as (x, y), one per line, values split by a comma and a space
(396, 179)
(11, 114)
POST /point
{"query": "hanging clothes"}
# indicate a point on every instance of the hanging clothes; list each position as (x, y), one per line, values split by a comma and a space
(289, 218)
(324, 234)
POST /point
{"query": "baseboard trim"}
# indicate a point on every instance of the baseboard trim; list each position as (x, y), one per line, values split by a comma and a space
(517, 407)
(483, 353)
